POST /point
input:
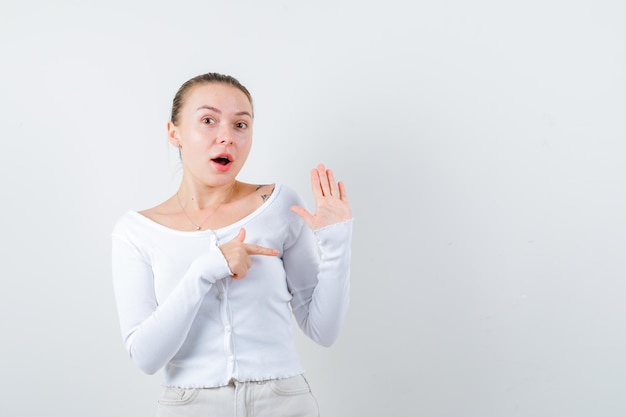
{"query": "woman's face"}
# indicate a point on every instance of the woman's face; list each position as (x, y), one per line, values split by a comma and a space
(214, 130)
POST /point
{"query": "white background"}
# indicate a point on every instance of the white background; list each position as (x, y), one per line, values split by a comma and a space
(482, 143)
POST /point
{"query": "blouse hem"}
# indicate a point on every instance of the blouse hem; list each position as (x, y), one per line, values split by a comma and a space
(225, 384)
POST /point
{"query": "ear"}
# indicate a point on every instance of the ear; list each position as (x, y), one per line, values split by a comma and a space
(172, 134)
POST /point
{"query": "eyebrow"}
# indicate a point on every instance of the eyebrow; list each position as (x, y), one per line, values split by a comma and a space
(216, 110)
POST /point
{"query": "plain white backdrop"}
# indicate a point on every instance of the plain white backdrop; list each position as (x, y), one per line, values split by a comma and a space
(482, 144)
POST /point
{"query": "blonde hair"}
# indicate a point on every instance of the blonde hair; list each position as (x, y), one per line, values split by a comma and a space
(208, 78)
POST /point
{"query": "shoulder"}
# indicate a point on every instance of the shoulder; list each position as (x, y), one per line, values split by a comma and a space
(282, 199)
(263, 191)
(274, 194)
(129, 224)
(124, 221)
(288, 194)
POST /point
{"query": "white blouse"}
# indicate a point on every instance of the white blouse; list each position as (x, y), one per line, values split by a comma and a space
(179, 308)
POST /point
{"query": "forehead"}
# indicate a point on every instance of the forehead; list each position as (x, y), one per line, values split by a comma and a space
(222, 96)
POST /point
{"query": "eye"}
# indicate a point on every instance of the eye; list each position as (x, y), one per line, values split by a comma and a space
(208, 120)
(241, 125)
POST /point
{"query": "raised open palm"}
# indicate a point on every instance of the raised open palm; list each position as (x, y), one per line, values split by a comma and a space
(331, 201)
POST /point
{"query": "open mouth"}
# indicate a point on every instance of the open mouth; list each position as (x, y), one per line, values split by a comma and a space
(223, 159)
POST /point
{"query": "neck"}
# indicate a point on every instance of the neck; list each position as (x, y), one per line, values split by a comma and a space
(201, 197)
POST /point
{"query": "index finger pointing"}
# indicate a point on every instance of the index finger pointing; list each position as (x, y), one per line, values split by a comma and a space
(259, 250)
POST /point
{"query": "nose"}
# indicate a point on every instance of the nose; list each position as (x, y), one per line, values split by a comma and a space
(224, 136)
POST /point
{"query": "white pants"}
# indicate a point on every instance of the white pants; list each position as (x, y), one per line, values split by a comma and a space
(289, 397)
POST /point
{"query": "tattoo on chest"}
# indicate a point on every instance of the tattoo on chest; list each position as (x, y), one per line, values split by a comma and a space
(264, 196)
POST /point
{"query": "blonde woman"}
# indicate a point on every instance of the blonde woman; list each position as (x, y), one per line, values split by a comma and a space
(206, 282)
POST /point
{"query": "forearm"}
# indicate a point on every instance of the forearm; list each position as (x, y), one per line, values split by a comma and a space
(153, 332)
(321, 304)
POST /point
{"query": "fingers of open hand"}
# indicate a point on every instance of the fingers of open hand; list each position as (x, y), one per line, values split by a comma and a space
(343, 195)
(331, 199)
(303, 213)
(327, 181)
(332, 184)
(316, 185)
(323, 182)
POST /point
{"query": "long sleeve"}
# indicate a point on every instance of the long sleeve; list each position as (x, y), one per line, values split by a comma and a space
(318, 274)
(180, 311)
(153, 332)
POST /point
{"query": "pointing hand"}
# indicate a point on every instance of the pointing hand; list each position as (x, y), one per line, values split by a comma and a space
(237, 254)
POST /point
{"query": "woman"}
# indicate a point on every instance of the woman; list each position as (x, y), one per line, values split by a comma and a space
(206, 282)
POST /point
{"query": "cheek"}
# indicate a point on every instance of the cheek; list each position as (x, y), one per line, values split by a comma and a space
(244, 141)
(193, 136)
(244, 149)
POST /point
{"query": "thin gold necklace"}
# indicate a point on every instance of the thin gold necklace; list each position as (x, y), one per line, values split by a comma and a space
(199, 226)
